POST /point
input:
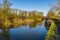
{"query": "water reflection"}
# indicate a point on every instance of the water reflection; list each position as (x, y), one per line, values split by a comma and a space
(34, 24)
(38, 31)
(4, 35)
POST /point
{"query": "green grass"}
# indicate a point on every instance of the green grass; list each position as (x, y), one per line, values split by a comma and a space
(50, 35)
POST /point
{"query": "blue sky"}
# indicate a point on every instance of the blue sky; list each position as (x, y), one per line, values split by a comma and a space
(30, 5)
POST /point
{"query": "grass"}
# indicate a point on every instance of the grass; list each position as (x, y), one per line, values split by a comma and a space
(50, 35)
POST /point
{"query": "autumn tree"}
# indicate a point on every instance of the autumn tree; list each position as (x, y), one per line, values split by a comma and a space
(33, 15)
(51, 14)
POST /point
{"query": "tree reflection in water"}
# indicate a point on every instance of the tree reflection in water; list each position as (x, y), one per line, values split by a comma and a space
(34, 24)
(4, 35)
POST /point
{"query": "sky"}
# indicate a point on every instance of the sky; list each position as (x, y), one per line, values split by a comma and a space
(30, 5)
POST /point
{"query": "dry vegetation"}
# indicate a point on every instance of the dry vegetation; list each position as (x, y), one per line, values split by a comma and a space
(9, 19)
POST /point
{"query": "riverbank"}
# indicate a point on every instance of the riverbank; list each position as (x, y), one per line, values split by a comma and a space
(17, 22)
(9, 19)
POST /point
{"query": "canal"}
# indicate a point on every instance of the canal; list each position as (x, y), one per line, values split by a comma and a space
(32, 31)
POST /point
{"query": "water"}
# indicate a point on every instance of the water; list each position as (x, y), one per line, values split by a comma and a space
(32, 31)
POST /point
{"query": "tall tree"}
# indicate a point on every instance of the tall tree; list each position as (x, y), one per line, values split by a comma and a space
(51, 14)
